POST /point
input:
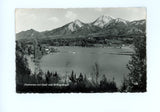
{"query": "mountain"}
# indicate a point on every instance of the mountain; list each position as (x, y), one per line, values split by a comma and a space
(103, 21)
(66, 29)
(102, 26)
(73, 26)
(123, 21)
(30, 34)
(139, 24)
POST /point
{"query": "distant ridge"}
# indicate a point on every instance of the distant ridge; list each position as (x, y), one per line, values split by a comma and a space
(102, 26)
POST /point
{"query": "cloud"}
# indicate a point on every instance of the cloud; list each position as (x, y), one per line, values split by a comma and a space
(54, 19)
(25, 14)
(71, 15)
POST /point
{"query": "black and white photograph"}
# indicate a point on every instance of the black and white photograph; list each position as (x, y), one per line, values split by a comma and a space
(80, 50)
(79, 56)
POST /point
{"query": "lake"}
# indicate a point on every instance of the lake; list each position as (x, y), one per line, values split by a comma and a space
(110, 61)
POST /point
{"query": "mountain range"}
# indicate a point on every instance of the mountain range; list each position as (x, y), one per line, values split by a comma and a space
(102, 26)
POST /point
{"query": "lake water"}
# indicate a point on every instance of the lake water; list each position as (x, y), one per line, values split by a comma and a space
(83, 59)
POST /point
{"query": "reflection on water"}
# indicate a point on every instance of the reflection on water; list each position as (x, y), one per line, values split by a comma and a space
(82, 60)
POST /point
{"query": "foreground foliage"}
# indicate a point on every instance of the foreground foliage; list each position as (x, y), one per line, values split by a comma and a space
(136, 81)
(72, 83)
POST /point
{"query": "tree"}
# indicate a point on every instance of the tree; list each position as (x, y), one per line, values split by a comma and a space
(47, 77)
(137, 66)
(22, 69)
(80, 78)
(73, 77)
(124, 86)
(97, 72)
(106, 85)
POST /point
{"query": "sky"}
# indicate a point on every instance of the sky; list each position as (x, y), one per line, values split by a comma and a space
(48, 19)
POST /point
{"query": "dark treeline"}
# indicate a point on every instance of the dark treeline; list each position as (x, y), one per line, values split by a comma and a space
(84, 41)
(76, 83)
(136, 81)
(89, 41)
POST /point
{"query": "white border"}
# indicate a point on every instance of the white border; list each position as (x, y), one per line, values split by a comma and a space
(10, 101)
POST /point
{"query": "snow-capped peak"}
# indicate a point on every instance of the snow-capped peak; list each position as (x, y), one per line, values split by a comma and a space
(78, 22)
(73, 26)
(117, 20)
(140, 22)
(105, 18)
(102, 20)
